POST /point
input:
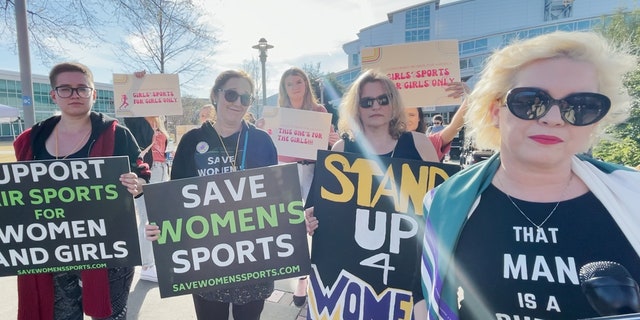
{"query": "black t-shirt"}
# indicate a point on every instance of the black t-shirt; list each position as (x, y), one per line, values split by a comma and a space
(405, 148)
(202, 152)
(509, 269)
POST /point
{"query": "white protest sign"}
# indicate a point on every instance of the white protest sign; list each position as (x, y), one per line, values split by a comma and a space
(421, 70)
(151, 95)
(297, 133)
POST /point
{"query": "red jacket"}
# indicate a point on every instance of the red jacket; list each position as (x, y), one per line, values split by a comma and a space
(35, 292)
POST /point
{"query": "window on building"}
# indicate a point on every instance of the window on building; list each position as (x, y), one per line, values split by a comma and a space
(473, 46)
(417, 24)
(583, 25)
(557, 9)
(355, 59)
(12, 86)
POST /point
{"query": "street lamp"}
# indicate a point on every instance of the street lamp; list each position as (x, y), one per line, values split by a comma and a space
(321, 85)
(263, 46)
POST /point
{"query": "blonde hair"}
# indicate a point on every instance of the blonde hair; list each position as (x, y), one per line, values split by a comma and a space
(310, 100)
(212, 113)
(159, 123)
(502, 67)
(349, 122)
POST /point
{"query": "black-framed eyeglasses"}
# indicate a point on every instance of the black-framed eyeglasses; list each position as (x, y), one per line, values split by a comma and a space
(437, 123)
(367, 102)
(232, 95)
(578, 109)
(67, 92)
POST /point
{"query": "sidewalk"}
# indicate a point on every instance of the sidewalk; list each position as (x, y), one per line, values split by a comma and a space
(145, 302)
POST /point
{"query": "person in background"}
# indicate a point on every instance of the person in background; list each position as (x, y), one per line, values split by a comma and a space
(372, 123)
(437, 125)
(415, 119)
(77, 132)
(158, 149)
(246, 147)
(152, 136)
(249, 118)
(295, 92)
(207, 113)
(507, 236)
(372, 118)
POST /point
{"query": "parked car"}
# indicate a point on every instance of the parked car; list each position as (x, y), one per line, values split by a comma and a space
(471, 155)
(457, 146)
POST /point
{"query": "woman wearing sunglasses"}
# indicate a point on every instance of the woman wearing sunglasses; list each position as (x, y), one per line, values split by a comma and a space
(507, 237)
(373, 121)
(228, 145)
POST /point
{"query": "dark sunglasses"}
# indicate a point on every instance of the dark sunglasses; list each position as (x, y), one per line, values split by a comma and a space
(366, 102)
(578, 109)
(232, 95)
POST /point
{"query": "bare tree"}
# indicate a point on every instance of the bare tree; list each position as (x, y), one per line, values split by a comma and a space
(253, 68)
(165, 36)
(53, 25)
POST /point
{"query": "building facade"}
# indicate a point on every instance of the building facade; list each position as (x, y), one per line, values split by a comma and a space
(480, 26)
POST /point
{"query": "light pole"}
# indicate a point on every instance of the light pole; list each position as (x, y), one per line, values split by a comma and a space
(321, 85)
(263, 46)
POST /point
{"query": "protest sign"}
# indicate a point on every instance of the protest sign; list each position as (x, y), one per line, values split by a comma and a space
(182, 129)
(371, 209)
(66, 215)
(421, 70)
(297, 133)
(229, 229)
(151, 95)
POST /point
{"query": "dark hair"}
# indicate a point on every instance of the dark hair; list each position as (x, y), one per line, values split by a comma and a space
(222, 79)
(69, 67)
(437, 117)
(422, 126)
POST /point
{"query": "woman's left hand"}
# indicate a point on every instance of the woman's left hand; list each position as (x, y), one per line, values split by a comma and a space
(458, 89)
(131, 182)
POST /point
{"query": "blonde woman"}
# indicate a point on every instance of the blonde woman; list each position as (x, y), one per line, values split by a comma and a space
(507, 236)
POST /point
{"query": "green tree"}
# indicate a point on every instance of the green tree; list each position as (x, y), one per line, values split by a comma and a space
(622, 142)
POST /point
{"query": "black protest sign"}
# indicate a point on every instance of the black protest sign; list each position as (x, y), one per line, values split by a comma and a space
(371, 209)
(66, 215)
(229, 229)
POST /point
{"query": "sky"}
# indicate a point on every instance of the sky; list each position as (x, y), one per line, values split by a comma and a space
(301, 31)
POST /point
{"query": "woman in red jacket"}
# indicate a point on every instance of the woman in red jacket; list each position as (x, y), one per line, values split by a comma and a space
(77, 133)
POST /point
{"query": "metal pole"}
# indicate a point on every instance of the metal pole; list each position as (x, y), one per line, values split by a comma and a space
(263, 60)
(25, 62)
(321, 84)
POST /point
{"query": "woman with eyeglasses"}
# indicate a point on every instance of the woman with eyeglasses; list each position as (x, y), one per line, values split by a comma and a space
(78, 132)
(508, 237)
(230, 144)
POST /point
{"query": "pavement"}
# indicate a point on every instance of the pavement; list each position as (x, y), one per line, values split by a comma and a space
(145, 302)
